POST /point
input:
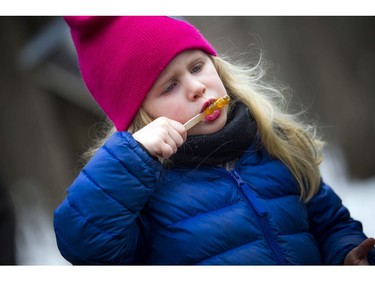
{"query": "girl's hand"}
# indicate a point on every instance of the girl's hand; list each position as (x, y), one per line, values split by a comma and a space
(358, 256)
(162, 137)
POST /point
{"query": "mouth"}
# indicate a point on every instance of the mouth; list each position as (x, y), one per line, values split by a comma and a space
(207, 104)
(213, 115)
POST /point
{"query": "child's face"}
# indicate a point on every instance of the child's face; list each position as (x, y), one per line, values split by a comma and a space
(184, 89)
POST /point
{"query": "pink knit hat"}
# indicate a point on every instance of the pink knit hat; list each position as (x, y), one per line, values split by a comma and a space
(120, 58)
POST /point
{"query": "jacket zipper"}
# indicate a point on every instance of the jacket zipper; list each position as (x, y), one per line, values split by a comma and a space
(261, 216)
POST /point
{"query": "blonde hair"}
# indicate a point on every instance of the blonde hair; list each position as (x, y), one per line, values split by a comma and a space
(283, 135)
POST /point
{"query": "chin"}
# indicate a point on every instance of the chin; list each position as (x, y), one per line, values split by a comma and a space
(205, 128)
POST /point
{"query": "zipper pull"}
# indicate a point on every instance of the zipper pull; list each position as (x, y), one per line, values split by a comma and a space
(249, 194)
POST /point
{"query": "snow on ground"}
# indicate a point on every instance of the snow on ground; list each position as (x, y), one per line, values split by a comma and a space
(35, 238)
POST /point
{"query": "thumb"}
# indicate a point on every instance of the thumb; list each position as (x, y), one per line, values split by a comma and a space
(358, 255)
(365, 247)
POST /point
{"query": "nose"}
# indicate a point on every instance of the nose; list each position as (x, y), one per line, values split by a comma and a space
(196, 89)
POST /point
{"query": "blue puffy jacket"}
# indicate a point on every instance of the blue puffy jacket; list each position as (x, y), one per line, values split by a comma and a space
(124, 208)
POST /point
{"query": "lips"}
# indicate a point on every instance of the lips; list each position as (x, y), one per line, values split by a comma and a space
(214, 115)
(207, 104)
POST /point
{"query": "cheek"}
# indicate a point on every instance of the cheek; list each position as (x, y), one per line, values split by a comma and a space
(171, 110)
(176, 112)
(220, 87)
(214, 82)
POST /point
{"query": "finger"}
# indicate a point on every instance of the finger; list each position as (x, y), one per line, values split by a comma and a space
(166, 151)
(365, 247)
(171, 143)
(179, 128)
(156, 142)
(175, 137)
(161, 137)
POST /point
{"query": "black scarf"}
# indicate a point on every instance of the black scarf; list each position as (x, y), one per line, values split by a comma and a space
(223, 146)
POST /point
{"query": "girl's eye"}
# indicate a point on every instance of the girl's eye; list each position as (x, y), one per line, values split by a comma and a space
(196, 68)
(170, 87)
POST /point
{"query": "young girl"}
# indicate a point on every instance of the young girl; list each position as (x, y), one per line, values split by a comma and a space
(240, 187)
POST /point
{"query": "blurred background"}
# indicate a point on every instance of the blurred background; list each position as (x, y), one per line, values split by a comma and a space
(48, 119)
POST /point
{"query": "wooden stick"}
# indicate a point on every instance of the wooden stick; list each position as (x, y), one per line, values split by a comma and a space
(194, 121)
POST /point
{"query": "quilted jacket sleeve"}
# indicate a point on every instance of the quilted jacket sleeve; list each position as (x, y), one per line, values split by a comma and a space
(97, 223)
(334, 229)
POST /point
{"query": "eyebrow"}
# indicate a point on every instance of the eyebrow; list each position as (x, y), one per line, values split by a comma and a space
(165, 77)
(194, 60)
